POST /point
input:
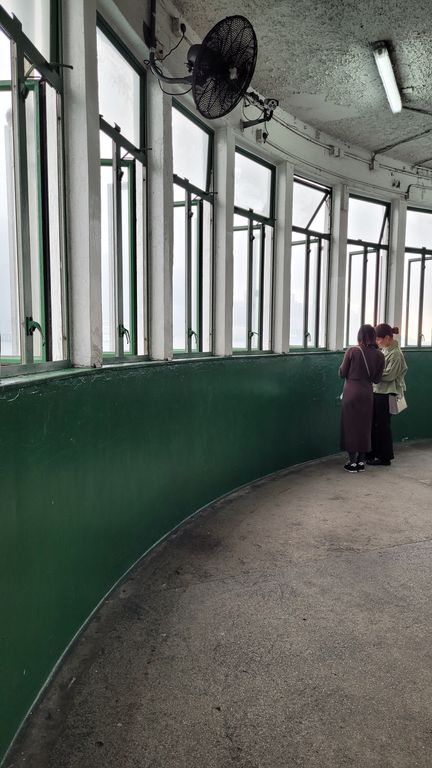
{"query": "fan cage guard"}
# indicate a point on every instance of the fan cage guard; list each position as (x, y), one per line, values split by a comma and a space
(224, 66)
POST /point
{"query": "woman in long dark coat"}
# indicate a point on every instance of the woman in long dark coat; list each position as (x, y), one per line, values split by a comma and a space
(361, 366)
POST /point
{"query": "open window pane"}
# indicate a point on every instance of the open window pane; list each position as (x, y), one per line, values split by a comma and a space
(323, 293)
(55, 217)
(297, 304)
(418, 229)
(414, 275)
(128, 282)
(190, 150)
(35, 214)
(179, 273)
(310, 205)
(427, 305)
(195, 278)
(355, 278)
(9, 294)
(252, 185)
(119, 90)
(108, 264)
(240, 281)
(206, 279)
(311, 339)
(35, 17)
(141, 273)
(366, 220)
(267, 290)
(369, 313)
(256, 290)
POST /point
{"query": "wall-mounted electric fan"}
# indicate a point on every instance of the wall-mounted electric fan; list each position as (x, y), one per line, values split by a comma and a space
(221, 68)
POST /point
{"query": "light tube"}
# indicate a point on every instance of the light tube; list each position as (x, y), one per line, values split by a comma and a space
(385, 70)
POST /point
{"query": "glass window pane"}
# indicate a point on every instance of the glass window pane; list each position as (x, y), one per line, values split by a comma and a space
(141, 255)
(305, 204)
(190, 150)
(119, 90)
(382, 285)
(9, 294)
(365, 220)
(179, 274)
(194, 279)
(5, 57)
(256, 289)
(36, 262)
(418, 229)
(371, 267)
(427, 305)
(35, 16)
(240, 286)
(128, 287)
(206, 327)
(268, 290)
(310, 340)
(414, 272)
(355, 277)
(108, 266)
(298, 272)
(252, 185)
(322, 341)
(55, 218)
(106, 146)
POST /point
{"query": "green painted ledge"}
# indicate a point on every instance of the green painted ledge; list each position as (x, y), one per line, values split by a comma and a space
(97, 466)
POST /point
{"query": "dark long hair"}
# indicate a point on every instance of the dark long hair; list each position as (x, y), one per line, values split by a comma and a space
(366, 336)
(384, 329)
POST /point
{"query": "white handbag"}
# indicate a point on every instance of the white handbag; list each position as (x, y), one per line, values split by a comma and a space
(397, 404)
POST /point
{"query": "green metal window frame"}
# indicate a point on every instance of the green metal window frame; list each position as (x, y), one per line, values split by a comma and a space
(23, 49)
(367, 247)
(257, 221)
(194, 198)
(126, 155)
(311, 237)
(424, 255)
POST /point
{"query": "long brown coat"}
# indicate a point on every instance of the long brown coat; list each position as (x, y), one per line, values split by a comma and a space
(357, 400)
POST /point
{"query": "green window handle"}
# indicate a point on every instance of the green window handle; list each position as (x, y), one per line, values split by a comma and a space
(192, 333)
(32, 326)
(124, 332)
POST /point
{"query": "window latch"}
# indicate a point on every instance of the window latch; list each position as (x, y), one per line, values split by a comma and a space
(124, 332)
(308, 337)
(32, 326)
(192, 333)
(253, 333)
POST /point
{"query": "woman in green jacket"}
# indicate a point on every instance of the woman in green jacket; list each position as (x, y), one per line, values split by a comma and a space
(392, 383)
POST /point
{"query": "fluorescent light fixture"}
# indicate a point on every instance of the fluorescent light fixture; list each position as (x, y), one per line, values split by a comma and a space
(382, 58)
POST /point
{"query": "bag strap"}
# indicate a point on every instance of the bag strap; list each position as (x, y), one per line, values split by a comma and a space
(365, 362)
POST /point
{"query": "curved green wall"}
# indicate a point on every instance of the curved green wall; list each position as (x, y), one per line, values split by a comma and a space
(96, 466)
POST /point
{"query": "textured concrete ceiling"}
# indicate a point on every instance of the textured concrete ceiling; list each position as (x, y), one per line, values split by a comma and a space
(315, 57)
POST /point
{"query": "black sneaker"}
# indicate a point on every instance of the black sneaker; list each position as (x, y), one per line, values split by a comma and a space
(361, 466)
(350, 467)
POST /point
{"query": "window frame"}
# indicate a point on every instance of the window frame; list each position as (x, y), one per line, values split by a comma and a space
(313, 236)
(206, 195)
(132, 156)
(367, 246)
(22, 48)
(255, 221)
(424, 255)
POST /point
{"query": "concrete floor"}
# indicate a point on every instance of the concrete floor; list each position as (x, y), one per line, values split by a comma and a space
(288, 625)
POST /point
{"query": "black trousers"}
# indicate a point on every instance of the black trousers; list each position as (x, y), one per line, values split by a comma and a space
(382, 440)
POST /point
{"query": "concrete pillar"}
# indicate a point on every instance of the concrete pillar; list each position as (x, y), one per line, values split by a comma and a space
(83, 182)
(160, 221)
(224, 158)
(338, 259)
(398, 214)
(282, 272)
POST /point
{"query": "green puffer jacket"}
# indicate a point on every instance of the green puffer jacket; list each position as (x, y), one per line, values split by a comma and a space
(395, 368)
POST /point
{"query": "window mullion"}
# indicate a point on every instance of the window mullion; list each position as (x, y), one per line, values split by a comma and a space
(45, 263)
(377, 275)
(133, 288)
(22, 202)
